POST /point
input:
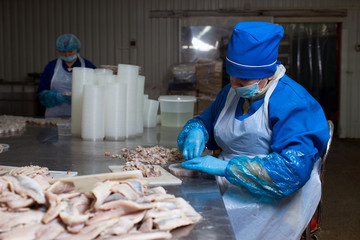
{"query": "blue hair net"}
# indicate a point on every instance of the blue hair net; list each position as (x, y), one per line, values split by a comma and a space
(68, 42)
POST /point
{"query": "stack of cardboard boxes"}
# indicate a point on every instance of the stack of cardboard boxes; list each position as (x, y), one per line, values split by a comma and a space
(205, 85)
(209, 74)
(184, 80)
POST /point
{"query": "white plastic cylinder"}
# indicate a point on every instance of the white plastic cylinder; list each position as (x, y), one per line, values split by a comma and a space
(146, 107)
(80, 76)
(151, 113)
(115, 109)
(103, 71)
(103, 76)
(126, 71)
(93, 113)
(129, 75)
(140, 105)
(131, 103)
(105, 79)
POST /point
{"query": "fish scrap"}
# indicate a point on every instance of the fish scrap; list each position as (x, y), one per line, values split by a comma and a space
(144, 159)
(121, 209)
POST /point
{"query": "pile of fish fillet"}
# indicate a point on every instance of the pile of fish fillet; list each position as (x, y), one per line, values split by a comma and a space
(31, 208)
(144, 159)
(11, 124)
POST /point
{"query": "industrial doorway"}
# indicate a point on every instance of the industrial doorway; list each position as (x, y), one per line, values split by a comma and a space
(309, 51)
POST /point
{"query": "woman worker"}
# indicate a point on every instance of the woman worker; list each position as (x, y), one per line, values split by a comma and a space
(271, 132)
(54, 90)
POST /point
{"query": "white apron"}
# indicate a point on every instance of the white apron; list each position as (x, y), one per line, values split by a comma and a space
(61, 82)
(250, 217)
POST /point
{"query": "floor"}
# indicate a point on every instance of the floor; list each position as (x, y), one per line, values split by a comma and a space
(341, 198)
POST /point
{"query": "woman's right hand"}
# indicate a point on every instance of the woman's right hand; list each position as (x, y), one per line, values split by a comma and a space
(194, 144)
(50, 98)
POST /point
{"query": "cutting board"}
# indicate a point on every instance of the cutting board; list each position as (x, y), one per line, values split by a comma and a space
(85, 183)
(165, 179)
(54, 175)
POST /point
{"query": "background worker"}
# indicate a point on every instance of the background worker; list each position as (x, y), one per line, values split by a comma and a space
(271, 132)
(54, 90)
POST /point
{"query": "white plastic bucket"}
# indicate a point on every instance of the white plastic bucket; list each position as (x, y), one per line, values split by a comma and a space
(176, 110)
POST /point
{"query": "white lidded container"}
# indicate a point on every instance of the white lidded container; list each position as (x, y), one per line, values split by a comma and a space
(92, 124)
(80, 77)
(176, 110)
(115, 109)
(128, 74)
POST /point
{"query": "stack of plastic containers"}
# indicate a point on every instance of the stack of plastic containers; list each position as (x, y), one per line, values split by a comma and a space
(107, 106)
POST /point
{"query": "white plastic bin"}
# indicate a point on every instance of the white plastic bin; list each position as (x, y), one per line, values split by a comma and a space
(176, 110)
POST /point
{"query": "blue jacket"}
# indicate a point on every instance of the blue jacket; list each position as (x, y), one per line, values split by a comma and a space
(46, 76)
(299, 135)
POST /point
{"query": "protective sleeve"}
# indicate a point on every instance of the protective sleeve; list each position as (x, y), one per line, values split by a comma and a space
(194, 123)
(254, 173)
(299, 136)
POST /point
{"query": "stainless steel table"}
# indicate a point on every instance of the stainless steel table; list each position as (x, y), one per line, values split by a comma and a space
(41, 145)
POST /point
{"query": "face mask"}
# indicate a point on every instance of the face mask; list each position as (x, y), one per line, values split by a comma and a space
(69, 58)
(247, 91)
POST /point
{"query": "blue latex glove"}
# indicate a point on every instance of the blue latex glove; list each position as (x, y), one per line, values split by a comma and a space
(50, 98)
(208, 164)
(194, 144)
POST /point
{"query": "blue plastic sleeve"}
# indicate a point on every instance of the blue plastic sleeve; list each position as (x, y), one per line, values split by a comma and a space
(273, 176)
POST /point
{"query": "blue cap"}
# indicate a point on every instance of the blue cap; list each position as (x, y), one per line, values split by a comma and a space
(68, 42)
(253, 50)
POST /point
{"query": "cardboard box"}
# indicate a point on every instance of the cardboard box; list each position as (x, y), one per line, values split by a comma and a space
(209, 74)
(184, 72)
(207, 65)
(187, 89)
(202, 102)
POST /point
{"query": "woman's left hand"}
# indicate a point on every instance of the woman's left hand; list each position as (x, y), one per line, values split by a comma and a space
(208, 164)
